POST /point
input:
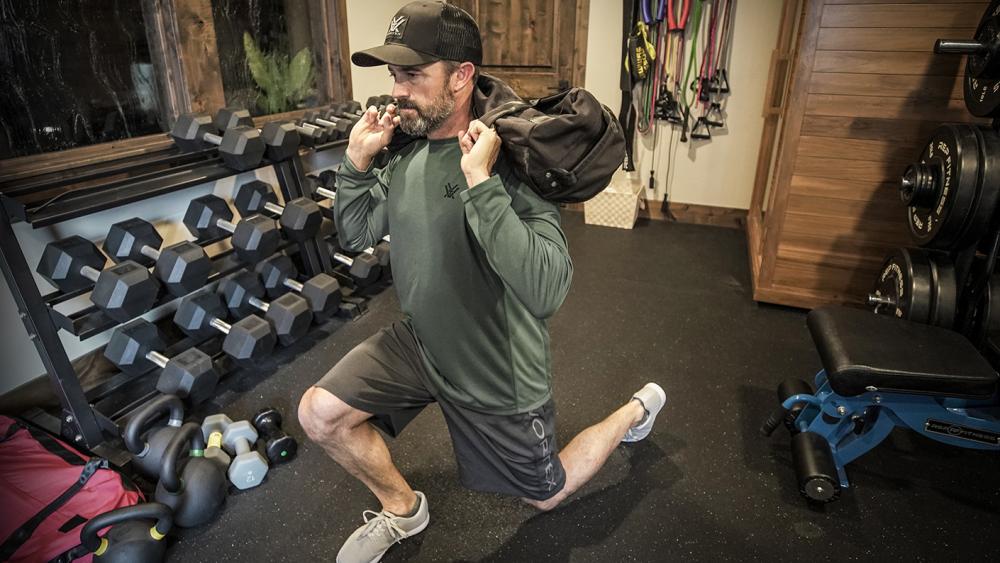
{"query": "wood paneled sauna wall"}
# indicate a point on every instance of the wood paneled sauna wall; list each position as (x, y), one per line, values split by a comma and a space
(855, 89)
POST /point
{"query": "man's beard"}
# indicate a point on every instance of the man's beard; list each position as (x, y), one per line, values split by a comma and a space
(428, 118)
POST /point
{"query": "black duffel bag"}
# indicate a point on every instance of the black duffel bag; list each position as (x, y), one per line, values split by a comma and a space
(565, 147)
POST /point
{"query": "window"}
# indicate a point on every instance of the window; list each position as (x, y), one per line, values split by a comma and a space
(75, 73)
(270, 78)
(78, 73)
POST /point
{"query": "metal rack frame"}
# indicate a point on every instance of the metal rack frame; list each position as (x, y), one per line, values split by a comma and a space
(52, 198)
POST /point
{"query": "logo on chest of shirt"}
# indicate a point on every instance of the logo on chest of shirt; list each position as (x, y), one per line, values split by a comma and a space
(450, 190)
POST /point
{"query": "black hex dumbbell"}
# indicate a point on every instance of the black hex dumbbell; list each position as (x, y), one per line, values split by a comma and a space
(329, 132)
(380, 102)
(350, 107)
(363, 267)
(380, 250)
(181, 268)
(300, 218)
(327, 179)
(230, 117)
(241, 148)
(246, 341)
(289, 314)
(254, 238)
(321, 291)
(280, 447)
(341, 127)
(318, 135)
(341, 121)
(281, 140)
(335, 111)
(309, 136)
(323, 192)
(135, 348)
(123, 291)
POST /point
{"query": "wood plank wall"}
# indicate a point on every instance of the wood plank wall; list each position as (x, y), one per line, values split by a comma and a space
(873, 92)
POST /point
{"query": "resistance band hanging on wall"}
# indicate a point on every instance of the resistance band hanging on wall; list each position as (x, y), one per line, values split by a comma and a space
(676, 62)
(626, 115)
(676, 65)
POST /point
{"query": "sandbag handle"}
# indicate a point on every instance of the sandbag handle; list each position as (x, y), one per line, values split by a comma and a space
(503, 110)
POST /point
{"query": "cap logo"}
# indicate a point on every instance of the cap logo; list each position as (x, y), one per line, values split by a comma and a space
(396, 27)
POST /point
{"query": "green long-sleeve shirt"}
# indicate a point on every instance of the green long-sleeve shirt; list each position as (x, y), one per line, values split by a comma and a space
(477, 270)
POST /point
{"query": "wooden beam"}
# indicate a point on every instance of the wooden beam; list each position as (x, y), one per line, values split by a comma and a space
(164, 44)
(918, 40)
(918, 127)
(199, 55)
(864, 62)
(777, 92)
(894, 85)
(792, 124)
(580, 53)
(332, 50)
(902, 15)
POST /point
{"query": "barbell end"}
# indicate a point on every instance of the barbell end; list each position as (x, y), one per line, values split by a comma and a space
(959, 47)
(873, 300)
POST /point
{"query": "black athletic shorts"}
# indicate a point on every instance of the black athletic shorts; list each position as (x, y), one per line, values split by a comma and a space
(509, 454)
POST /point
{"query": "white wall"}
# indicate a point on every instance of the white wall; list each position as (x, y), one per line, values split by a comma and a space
(367, 22)
(604, 49)
(717, 173)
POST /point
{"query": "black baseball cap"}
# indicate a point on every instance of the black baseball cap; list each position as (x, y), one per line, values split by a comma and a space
(424, 32)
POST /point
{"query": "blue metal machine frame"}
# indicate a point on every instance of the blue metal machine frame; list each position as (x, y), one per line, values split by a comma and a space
(855, 425)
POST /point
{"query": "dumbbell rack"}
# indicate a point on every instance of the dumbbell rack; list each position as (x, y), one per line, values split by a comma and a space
(88, 418)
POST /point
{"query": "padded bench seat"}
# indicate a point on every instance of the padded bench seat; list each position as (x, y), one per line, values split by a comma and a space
(860, 349)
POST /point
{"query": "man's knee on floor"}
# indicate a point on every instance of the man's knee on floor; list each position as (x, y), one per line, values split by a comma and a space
(322, 415)
(550, 503)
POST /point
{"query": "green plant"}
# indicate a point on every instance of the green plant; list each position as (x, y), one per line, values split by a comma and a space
(283, 83)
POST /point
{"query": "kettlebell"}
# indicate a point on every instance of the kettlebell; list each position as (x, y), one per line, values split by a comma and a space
(195, 487)
(146, 454)
(133, 536)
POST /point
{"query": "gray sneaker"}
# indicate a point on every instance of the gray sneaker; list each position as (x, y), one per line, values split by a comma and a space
(381, 531)
(652, 397)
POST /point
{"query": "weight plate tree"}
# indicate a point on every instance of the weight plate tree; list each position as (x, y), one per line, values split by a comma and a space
(982, 69)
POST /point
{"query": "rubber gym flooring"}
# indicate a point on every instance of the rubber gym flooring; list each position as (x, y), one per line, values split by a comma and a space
(664, 302)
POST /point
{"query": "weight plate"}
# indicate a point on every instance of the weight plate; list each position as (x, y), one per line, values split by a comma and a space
(941, 189)
(944, 290)
(984, 208)
(991, 320)
(904, 287)
(982, 83)
(985, 313)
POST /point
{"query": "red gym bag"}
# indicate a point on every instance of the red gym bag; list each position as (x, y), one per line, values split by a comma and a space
(49, 491)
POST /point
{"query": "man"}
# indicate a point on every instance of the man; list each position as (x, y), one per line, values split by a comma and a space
(479, 262)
